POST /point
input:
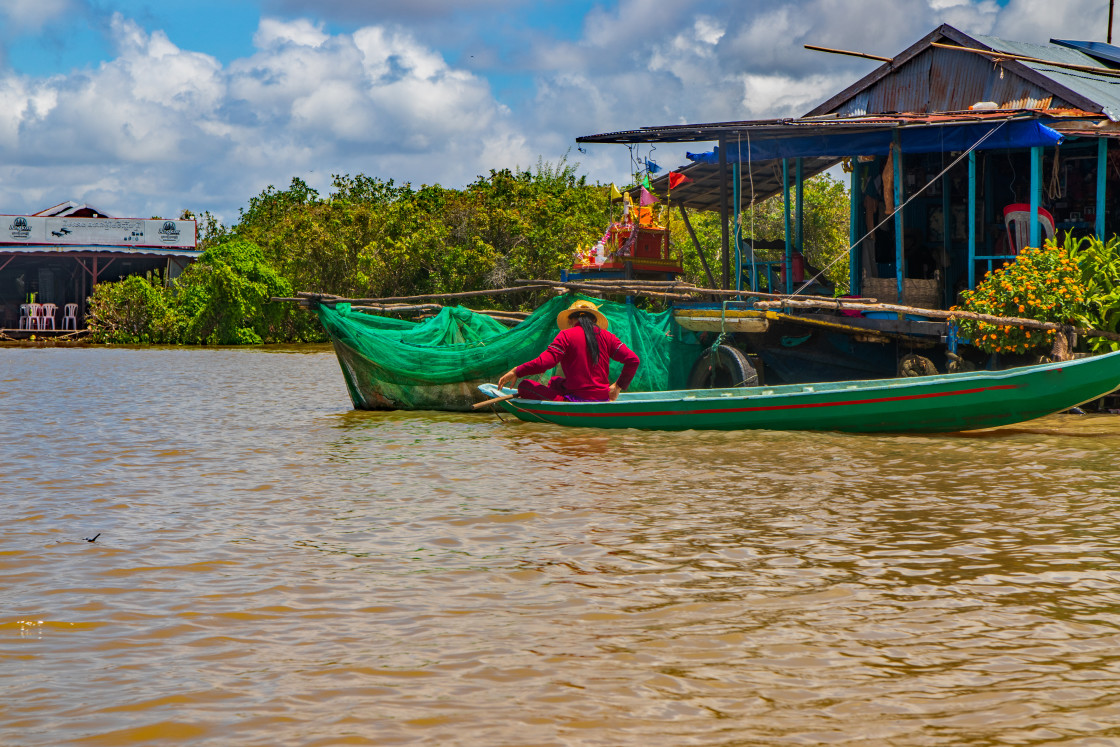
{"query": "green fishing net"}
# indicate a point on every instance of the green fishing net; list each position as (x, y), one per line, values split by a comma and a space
(437, 363)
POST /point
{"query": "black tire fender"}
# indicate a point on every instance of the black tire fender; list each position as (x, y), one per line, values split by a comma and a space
(722, 367)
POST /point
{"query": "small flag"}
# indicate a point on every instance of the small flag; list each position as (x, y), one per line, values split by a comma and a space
(652, 166)
(615, 194)
(646, 198)
(645, 181)
(676, 179)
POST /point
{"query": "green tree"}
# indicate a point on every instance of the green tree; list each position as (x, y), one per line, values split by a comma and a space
(224, 298)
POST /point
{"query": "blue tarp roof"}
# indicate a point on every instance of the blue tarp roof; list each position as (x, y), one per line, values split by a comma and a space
(923, 139)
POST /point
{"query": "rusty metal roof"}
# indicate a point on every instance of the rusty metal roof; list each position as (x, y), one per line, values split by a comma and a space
(924, 78)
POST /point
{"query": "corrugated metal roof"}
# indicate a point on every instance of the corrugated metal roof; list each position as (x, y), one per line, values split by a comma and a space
(1103, 90)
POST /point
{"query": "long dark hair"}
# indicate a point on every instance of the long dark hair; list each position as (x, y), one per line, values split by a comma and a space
(587, 321)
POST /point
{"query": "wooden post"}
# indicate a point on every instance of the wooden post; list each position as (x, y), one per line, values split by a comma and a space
(724, 243)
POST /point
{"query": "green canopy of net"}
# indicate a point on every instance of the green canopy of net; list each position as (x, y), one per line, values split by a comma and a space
(459, 345)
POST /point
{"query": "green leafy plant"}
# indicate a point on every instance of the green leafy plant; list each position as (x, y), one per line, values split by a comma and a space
(137, 309)
(1099, 263)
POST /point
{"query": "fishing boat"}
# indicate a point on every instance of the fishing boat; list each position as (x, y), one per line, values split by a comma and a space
(439, 363)
(921, 404)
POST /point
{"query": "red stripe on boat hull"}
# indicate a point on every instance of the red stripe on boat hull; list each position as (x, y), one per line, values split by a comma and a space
(575, 414)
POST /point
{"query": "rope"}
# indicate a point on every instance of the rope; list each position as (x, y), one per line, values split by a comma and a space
(1054, 190)
(883, 222)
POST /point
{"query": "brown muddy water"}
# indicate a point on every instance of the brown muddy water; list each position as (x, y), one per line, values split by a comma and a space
(273, 568)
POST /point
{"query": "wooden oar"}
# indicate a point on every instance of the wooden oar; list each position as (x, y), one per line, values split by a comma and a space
(503, 398)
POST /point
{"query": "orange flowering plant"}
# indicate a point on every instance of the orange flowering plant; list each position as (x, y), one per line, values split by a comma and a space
(1042, 284)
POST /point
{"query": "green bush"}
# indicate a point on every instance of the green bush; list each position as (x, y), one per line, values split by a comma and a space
(138, 309)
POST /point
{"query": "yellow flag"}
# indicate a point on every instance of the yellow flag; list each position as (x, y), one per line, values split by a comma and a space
(615, 194)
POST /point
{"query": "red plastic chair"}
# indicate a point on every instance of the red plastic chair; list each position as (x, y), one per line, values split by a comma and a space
(1017, 219)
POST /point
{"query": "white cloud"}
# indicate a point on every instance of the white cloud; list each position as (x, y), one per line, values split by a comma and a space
(158, 127)
(31, 15)
(275, 33)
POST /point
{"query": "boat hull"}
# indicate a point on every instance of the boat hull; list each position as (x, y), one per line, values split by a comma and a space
(923, 404)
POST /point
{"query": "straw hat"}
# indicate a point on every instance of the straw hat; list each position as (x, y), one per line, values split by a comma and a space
(563, 320)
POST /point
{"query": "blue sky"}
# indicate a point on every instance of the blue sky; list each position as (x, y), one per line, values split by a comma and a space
(146, 108)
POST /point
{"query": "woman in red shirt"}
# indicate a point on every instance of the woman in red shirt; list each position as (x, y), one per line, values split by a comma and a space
(584, 348)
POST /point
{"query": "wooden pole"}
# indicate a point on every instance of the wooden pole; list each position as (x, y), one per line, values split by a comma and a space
(503, 398)
(699, 249)
(815, 48)
(1006, 321)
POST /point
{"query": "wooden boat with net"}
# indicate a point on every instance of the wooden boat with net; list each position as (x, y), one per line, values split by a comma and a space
(921, 404)
(439, 363)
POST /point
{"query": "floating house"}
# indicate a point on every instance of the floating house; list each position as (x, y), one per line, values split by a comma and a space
(968, 132)
(58, 255)
(988, 145)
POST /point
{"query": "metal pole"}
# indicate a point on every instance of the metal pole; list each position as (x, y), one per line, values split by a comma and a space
(971, 219)
(800, 208)
(853, 230)
(946, 229)
(736, 188)
(899, 261)
(1110, 21)
(1102, 167)
(785, 213)
(724, 242)
(1036, 196)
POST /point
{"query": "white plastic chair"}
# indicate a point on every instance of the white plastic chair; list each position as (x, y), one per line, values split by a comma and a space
(70, 317)
(47, 314)
(1017, 219)
(25, 316)
(34, 315)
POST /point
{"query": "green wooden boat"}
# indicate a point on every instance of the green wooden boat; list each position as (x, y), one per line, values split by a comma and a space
(922, 404)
